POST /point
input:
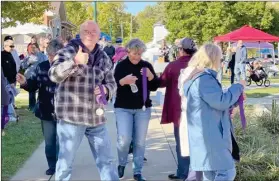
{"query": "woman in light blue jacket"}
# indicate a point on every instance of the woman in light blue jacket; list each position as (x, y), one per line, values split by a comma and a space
(207, 120)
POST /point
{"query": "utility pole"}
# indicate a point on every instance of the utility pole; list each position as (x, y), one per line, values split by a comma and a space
(121, 26)
(110, 27)
(131, 27)
(95, 11)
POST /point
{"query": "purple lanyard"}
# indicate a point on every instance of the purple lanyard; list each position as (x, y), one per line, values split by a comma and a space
(144, 85)
(102, 99)
(241, 111)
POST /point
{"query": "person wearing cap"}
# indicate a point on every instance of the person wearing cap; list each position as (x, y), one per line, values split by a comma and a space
(7, 61)
(172, 107)
(110, 50)
(14, 54)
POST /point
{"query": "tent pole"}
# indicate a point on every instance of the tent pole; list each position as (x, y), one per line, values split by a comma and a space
(260, 49)
(273, 57)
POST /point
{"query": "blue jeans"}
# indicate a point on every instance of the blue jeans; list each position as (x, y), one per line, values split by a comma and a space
(240, 71)
(70, 137)
(183, 163)
(132, 124)
(51, 142)
(219, 175)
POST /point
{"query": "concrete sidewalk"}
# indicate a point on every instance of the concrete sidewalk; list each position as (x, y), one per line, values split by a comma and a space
(160, 152)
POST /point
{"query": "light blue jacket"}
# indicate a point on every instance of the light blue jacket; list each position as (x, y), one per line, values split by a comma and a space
(241, 55)
(209, 124)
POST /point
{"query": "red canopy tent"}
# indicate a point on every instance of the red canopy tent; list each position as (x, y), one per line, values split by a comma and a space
(247, 34)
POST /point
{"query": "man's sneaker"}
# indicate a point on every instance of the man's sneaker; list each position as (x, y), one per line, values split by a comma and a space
(174, 177)
(121, 171)
(139, 177)
(50, 171)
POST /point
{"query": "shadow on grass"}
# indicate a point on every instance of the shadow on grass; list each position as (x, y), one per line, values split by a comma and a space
(257, 95)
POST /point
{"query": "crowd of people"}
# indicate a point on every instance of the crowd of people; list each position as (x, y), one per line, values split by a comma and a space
(76, 80)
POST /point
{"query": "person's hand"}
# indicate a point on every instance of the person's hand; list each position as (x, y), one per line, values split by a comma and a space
(244, 96)
(97, 90)
(243, 82)
(81, 58)
(129, 79)
(149, 74)
(20, 79)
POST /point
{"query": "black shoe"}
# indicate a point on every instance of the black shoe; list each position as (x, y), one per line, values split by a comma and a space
(145, 160)
(121, 171)
(50, 171)
(139, 177)
(174, 177)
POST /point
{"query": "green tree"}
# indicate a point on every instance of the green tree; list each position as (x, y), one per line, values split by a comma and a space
(198, 20)
(110, 14)
(23, 12)
(78, 12)
(147, 18)
(256, 14)
(205, 20)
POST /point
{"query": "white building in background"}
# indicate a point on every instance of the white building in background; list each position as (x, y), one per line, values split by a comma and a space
(159, 33)
(153, 48)
(54, 24)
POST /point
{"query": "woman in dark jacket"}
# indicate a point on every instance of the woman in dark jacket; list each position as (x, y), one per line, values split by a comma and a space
(231, 67)
(135, 79)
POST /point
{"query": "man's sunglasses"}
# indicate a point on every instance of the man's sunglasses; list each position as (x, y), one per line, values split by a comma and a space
(12, 46)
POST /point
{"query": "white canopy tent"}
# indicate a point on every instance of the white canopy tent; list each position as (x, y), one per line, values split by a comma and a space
(22, 34)
(27, 29)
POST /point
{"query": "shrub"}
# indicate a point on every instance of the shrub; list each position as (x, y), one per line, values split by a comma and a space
(259, 151)
(270, 121)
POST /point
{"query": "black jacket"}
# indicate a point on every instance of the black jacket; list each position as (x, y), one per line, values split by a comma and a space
(40, 81)
(110, 51)
(8, 66)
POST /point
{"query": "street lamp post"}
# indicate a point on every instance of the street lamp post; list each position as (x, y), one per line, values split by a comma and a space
(110, 27)
(95, 11)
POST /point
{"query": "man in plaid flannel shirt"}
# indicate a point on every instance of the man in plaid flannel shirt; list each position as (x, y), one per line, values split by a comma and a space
(79, 69)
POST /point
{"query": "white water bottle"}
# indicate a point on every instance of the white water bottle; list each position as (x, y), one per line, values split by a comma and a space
(134, 88)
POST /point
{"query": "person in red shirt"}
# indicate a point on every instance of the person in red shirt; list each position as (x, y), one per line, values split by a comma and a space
(29, 46)
(172, 106)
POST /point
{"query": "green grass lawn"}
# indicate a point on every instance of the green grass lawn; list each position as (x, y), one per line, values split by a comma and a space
(262, 92)
(21, 138)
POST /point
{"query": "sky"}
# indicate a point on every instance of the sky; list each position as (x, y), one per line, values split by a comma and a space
(136, 7)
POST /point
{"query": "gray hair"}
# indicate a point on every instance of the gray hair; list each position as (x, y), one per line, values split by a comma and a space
(135, 45)
(53, 47)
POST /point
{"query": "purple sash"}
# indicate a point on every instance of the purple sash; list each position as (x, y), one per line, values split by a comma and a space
(102, 99)
(241, 111)
(144, 85)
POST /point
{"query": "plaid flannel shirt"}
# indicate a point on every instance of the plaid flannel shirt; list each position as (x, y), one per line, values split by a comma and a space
(74, 100)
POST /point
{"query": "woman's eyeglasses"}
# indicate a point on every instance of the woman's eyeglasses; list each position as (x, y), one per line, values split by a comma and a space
(12, 46)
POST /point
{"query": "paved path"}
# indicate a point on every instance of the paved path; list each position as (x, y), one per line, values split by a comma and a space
(160, 152)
